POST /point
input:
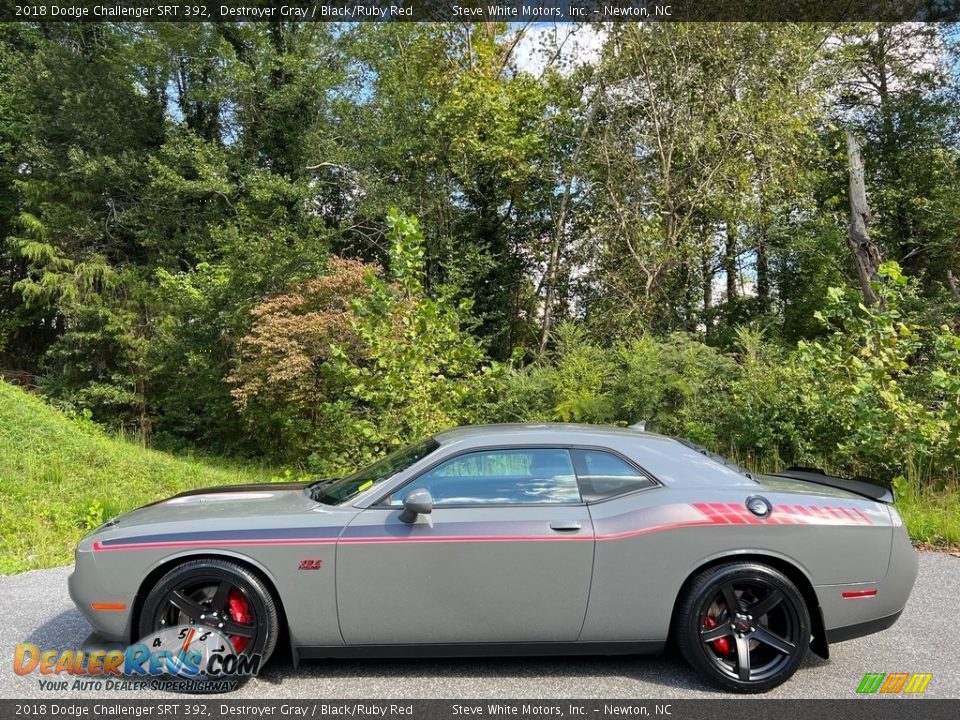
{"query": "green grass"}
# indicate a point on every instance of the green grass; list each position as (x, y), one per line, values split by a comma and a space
(932, 516)
(59, 478)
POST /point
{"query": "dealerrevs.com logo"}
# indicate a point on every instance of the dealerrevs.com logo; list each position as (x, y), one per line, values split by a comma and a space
(179, 659)
(894, 683)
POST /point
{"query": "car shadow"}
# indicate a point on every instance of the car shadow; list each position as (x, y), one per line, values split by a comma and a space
(668, 670)
(69, 630)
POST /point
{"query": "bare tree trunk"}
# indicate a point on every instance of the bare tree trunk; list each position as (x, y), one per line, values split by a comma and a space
(763, 274)
(706, 280)
(865, 253)
(763, 257)
(553, 270)
(730, 261)
(954, 288)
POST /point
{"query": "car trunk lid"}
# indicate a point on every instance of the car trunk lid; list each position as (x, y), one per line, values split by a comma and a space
(817, 481)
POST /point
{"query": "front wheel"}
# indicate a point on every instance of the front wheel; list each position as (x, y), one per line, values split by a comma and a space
(744, 626)
(218, 595)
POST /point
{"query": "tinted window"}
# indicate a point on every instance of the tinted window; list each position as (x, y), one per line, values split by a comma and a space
(604, 475)
(499, 477)
(334, 492)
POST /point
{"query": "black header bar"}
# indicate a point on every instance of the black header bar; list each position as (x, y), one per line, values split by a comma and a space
(517, 11)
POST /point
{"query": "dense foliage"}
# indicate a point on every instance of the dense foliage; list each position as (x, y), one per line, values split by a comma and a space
(349, 365)
(877, 395)
(310, 243)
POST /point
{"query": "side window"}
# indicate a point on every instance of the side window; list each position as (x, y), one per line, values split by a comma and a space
(499, 477)
(604, 475)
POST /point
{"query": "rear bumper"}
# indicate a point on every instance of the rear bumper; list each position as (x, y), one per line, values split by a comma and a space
(849, 632)
(855, 610)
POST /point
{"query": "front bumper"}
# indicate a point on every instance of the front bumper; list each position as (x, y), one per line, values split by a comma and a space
(88, 589)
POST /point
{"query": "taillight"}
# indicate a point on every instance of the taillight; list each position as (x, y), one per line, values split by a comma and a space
(895, 516)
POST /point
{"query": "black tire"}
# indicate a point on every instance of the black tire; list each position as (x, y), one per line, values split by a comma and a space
(712, 637)
(205, 583)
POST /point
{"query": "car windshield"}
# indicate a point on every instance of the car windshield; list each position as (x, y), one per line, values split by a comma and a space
(340, 490)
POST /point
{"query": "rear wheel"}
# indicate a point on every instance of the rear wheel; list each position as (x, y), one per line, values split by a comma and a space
(216, 594)
(744, 626)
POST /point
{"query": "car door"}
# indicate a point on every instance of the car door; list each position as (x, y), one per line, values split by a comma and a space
(505, 555)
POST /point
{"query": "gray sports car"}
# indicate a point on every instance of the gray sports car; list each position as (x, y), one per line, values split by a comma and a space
(516, 539)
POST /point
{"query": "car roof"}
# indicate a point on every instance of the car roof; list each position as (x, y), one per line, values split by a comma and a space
(561, 433)
(671, 461)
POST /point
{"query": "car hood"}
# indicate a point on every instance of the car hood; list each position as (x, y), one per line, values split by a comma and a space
(239, 502)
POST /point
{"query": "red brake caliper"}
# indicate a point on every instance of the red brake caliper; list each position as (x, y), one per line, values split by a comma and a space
(721, 645)
(240, 612)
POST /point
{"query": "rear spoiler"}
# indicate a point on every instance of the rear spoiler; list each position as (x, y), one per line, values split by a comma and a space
(858, 487)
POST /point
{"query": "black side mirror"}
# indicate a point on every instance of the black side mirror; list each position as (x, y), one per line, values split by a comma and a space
(419, 502)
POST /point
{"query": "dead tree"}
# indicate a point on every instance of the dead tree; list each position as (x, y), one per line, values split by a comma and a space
(865, 254)
(954, 287)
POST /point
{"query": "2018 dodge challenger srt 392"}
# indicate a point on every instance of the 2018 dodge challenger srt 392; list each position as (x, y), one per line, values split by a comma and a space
(516, 539)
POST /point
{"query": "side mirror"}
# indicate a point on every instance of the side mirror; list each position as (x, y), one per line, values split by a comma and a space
(419, 502)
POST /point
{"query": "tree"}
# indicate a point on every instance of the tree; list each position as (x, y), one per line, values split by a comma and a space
(450, 130)
(327, 368)
(897, 91)
(865, 255)
(702, 151)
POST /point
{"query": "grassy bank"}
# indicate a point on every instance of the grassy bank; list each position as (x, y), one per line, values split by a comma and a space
(933, 517)
(60, 477)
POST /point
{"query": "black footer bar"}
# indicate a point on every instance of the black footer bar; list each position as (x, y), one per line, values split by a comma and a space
(192, 708)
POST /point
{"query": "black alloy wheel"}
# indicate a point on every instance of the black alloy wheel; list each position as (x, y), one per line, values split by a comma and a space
(219, 595)
(744, 626)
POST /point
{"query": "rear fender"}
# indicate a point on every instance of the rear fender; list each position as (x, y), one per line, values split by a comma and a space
(797, 574)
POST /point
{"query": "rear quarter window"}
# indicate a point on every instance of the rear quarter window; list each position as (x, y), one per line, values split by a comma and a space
(605, 475)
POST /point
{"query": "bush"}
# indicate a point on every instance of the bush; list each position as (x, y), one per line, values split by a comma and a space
(349, 365)
(673, 384)
(885, 386)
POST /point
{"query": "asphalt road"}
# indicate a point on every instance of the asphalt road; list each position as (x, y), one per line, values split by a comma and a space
(35, 608)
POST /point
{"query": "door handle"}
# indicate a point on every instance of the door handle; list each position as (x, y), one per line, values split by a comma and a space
(561, 526)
